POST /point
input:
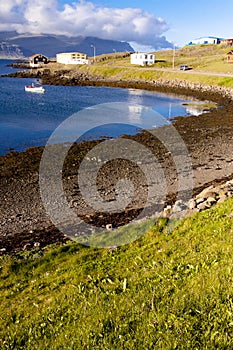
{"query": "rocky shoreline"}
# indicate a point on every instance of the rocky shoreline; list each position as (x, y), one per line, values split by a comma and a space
(204, 200)
(65, 77)
(208, 138)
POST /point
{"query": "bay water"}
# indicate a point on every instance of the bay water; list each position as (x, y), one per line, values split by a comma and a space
(28, 119)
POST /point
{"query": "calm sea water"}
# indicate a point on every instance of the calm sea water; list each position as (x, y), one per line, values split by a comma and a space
(28, 119)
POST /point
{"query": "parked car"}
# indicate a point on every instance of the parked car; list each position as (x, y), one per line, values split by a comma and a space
(184, 67)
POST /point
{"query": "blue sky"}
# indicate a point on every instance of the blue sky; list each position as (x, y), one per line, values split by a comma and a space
(187, 19)
(156, 23)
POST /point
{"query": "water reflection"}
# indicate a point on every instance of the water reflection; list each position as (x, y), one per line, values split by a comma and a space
(28, 120)
(194, 110)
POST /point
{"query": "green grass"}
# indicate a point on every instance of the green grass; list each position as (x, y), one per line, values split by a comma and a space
(202, 58)
(150, 74)
(167, 290)
(212, 58)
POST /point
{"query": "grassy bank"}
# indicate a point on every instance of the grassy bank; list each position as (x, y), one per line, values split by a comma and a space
(209, 58)
(201, 58)
(167, 290)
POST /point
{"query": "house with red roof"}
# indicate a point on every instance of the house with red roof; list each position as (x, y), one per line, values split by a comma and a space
(38, 60)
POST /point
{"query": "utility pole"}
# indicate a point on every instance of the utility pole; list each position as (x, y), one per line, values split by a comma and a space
(94, 51)
(173, 57)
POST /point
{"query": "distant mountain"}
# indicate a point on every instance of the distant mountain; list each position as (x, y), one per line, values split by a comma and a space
(50, 45)
(10, 51)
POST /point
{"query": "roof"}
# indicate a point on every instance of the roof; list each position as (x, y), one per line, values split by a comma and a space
(37, 54)
(142, 53)
(70, 53)
(209, 37)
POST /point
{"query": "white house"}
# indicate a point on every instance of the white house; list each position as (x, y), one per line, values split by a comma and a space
(38, 60)
(205, 40)
(142, 58)
(72, 58)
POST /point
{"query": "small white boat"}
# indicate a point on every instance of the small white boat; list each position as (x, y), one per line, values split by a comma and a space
(35, 88)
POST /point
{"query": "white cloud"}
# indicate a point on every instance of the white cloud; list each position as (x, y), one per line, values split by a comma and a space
(10, 14)
(82, 18)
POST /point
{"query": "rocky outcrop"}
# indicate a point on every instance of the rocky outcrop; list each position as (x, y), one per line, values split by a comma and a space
(210, 196)
(202, 201)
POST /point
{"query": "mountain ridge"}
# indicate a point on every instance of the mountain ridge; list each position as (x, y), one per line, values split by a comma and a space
(49, 45)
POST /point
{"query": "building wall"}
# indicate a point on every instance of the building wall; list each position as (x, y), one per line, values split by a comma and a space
(142, 58)
(38, 60)
(205, 41)
(72, 58)
(228, 42)
(230, 57)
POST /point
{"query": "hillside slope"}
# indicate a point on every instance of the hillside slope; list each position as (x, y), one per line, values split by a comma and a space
(212, 58)
(208, 65)
(168, 290)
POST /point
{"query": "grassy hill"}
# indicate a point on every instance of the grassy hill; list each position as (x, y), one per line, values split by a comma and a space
(210, 58)
(201, 58)
(167, 290)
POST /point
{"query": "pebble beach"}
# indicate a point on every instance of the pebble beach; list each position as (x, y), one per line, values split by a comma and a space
(208, 138)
